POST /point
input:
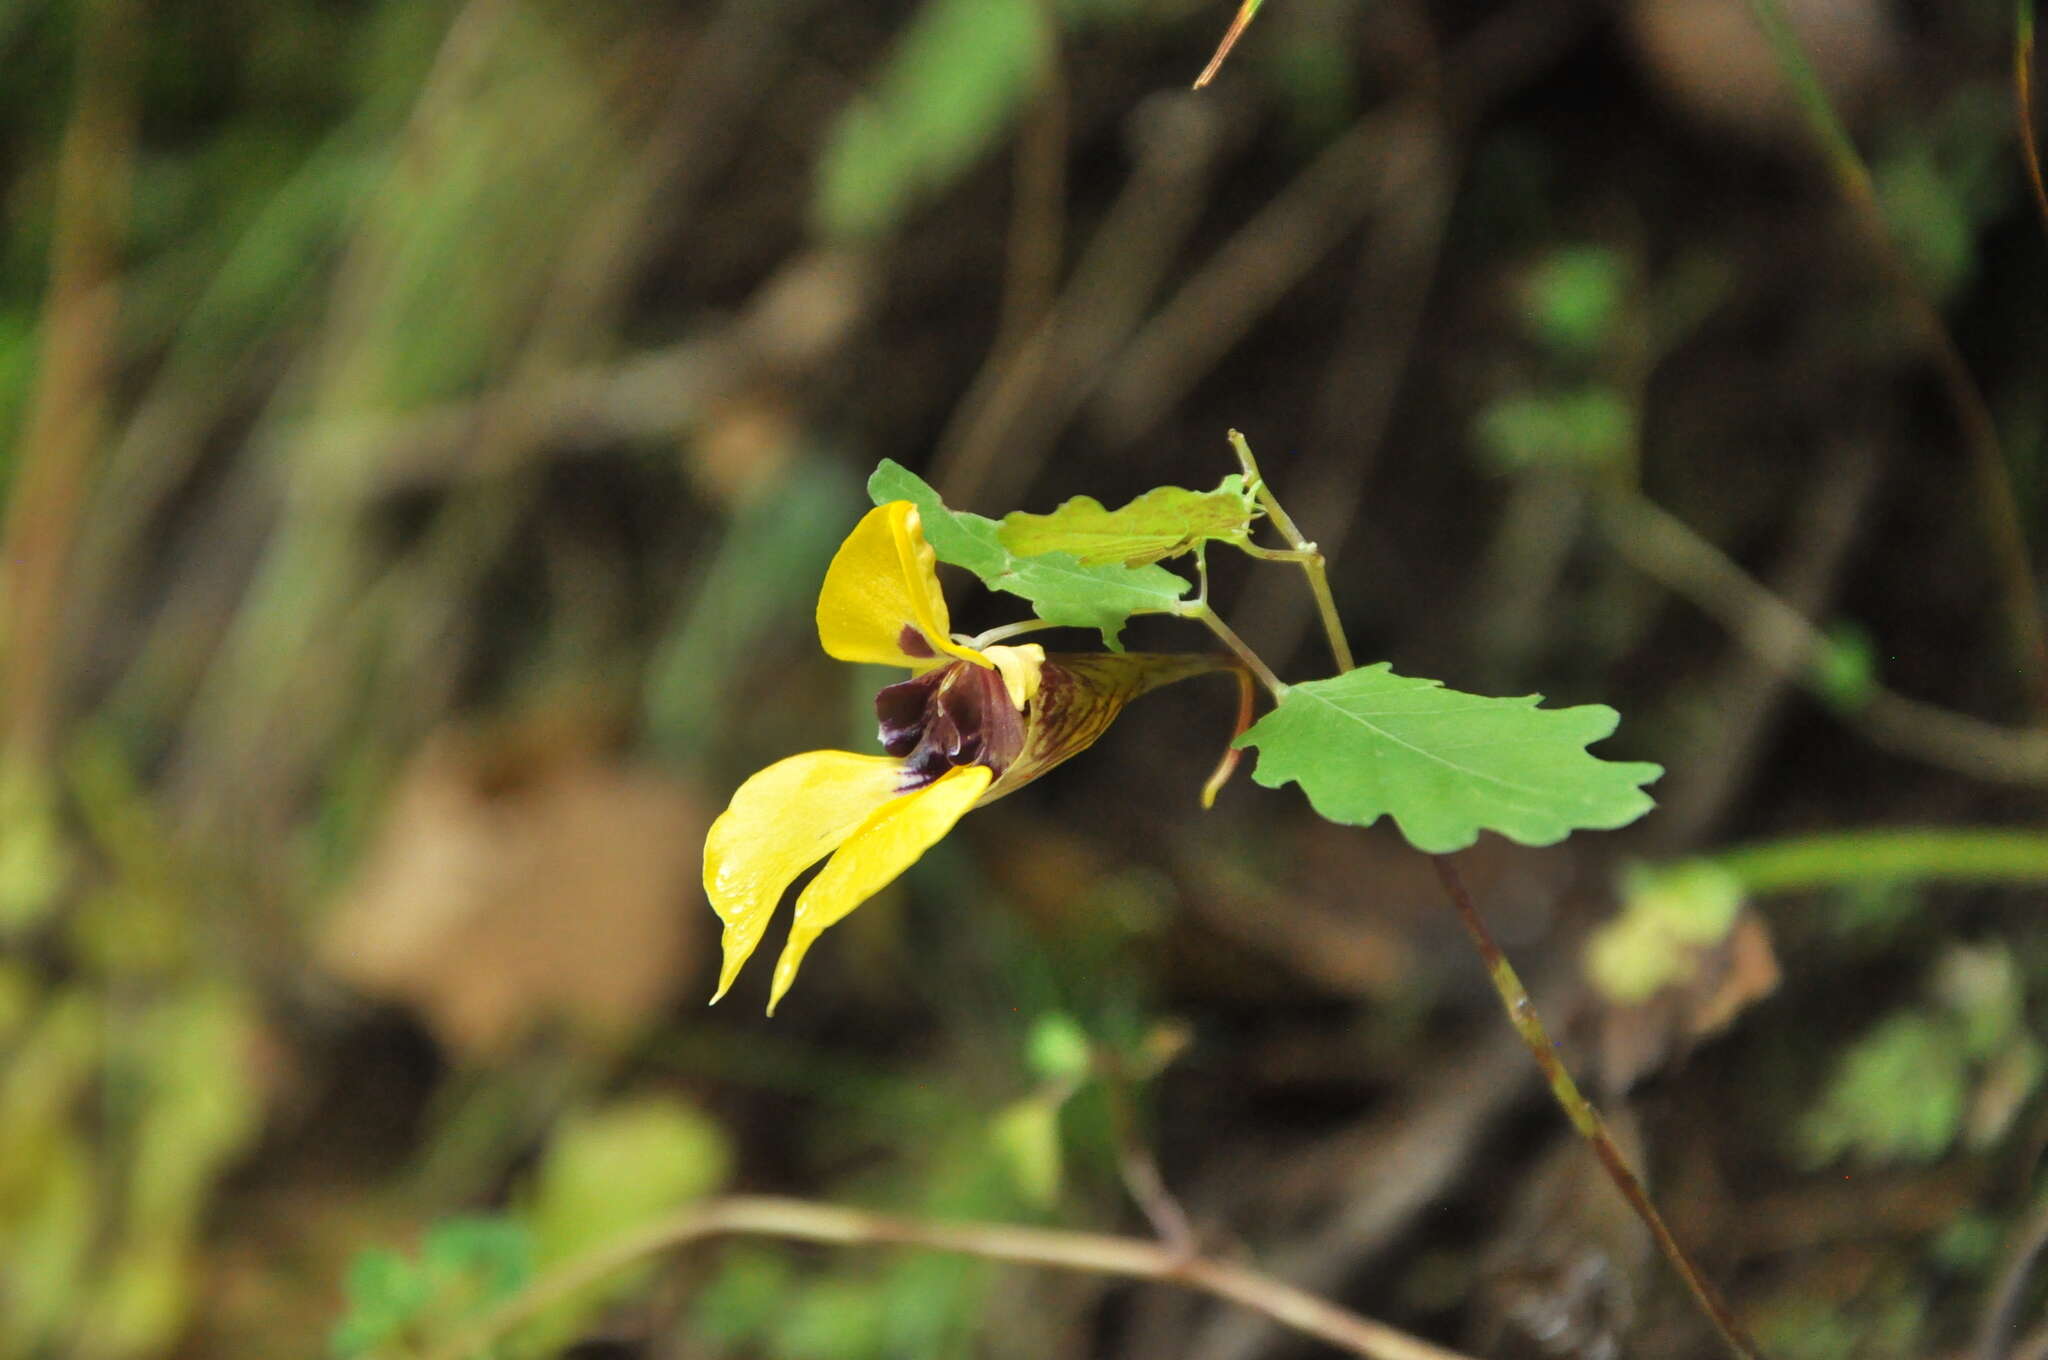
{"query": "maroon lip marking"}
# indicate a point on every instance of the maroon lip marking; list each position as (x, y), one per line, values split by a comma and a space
(959, 714)
(913, 644)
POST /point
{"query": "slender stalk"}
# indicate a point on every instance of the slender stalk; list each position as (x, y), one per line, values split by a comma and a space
(1136, 1164)
(1236, 30)
(1300, 551)
(2023, 101)
(1200, 611)
(1246, 694)
(1585, 1118)
(765, 1216)
(1996, 501)
(1920, 854)
(1008, 631)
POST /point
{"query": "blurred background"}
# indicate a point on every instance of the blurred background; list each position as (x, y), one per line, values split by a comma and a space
(426, 425)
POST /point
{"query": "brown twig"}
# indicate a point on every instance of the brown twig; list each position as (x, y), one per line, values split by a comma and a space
(1584, 1117)
(800, 1220)
(2023, 102)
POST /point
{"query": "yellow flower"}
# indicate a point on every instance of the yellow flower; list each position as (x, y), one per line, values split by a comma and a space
(968, 726)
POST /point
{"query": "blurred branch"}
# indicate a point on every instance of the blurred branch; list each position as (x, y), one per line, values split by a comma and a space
(1381, 161)
(1996, 501)
(1023, 397)
(800, 1220)
(1923, 855)
(1665, 548)
(1399, 160)
(1038, 226)
(1747, 694)
(67, 408)
(796, 319)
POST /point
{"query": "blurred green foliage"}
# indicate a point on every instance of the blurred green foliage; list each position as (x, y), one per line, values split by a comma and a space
(423, 311)
(1923, 1078)
(464, 1266)
(958, 75)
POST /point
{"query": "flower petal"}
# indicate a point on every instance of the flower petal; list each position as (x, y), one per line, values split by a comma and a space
(887, 843)
(779, 823)
(881, 602)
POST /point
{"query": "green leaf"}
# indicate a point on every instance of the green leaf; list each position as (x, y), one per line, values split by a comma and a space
(1164, 522)
(957, 77)
(1445, 765)
(1061, 590)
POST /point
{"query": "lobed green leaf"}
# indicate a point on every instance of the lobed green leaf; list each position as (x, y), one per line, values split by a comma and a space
(1061, 590)
(1445, 765)
(1164, 522)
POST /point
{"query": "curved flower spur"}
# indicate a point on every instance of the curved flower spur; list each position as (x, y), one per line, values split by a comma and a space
(970, 725)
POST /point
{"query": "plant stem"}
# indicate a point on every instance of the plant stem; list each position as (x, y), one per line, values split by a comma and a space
(1200, 611)
(1584, 1117)
(765, 1216)
(1008, 631)
(1996, 502)
(1245, 11)
(2023, 101)
(1922, 854)
(1302, 552)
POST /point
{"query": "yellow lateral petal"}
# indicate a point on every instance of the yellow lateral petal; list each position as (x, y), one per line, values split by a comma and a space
(780, 823)
(884, 579)
(887, 843)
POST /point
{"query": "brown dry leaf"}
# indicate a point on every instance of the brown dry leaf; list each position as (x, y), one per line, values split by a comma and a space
(1724, 979)
(517, 883)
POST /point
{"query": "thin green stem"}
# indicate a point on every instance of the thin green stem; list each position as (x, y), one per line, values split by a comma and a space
(1584, 1117)
(1008, 631)
(1301, 552)
(1920, 854)
(1200, 611)
(1995, 498)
